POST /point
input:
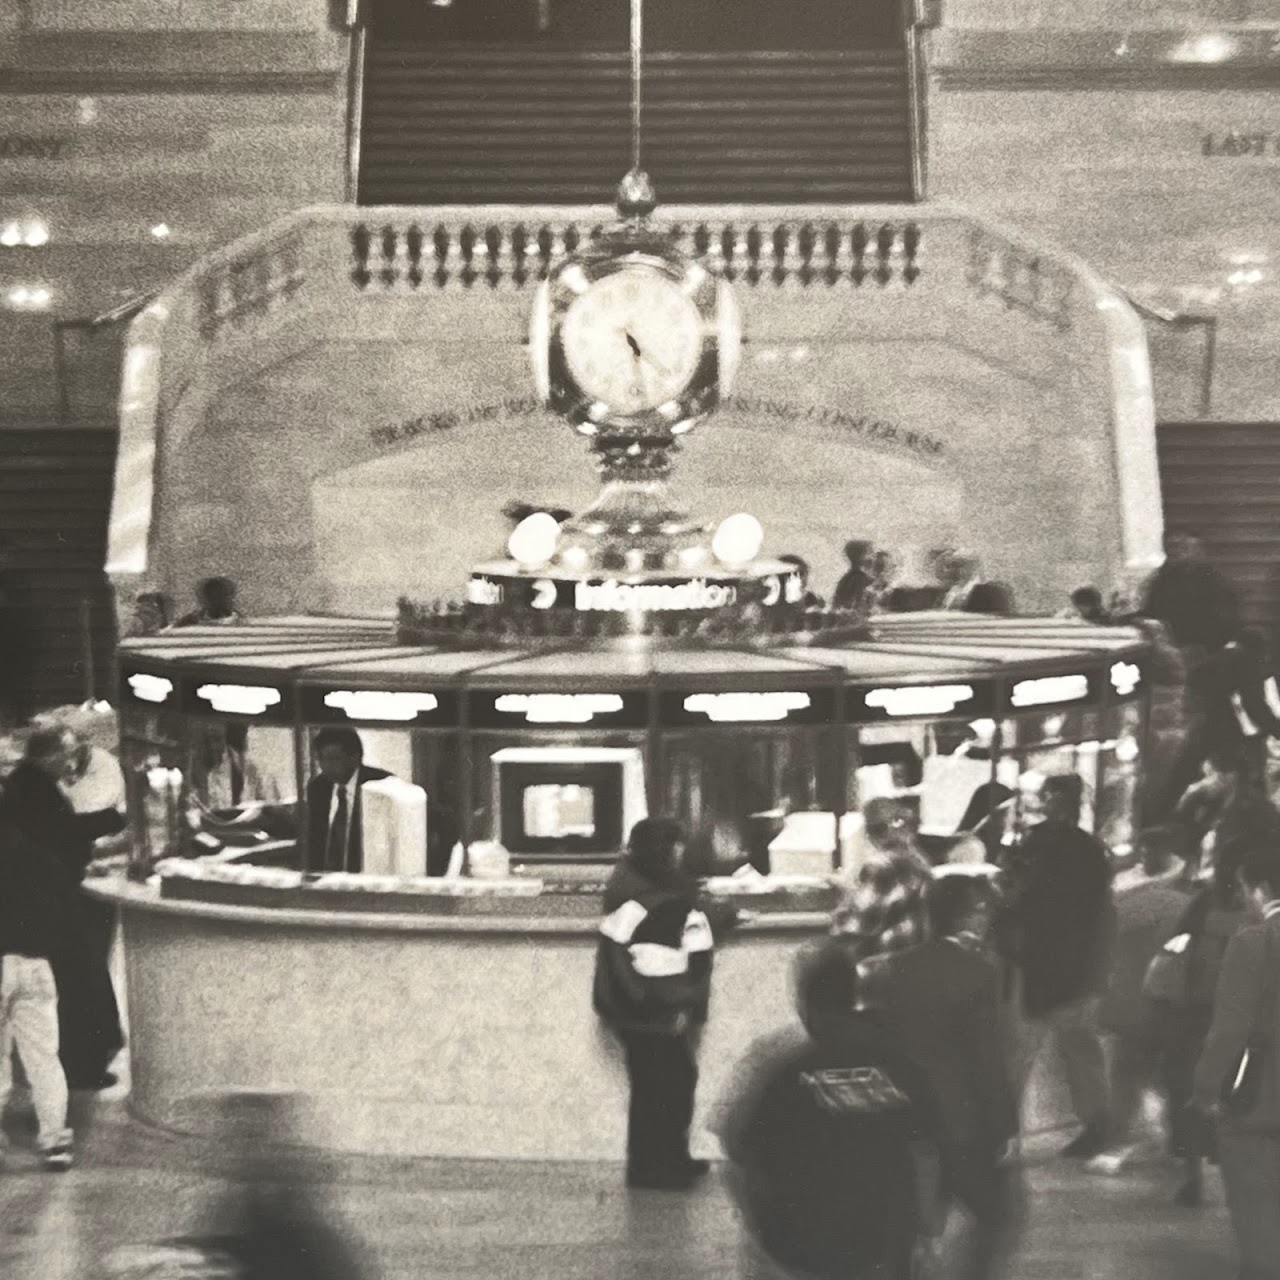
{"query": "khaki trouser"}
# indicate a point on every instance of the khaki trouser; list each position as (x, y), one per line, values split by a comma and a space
(1073, 1028)
(29, 1025)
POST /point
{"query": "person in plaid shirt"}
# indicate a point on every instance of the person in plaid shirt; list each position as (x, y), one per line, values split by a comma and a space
(887, 907)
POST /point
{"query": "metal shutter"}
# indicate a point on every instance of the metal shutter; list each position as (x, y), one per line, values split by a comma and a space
(446, 124)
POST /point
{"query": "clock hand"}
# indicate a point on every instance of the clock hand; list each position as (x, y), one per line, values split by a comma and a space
(646, 356)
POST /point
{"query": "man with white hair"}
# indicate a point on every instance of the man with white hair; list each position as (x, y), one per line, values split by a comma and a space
(33, 802)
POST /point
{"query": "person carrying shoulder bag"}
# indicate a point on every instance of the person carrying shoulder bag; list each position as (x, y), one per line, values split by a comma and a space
(1237, 1079)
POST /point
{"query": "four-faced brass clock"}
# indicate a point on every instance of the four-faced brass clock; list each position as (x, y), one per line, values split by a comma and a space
(633, 341)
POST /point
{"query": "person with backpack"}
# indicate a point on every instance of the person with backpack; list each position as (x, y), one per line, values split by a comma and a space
(652, 987)
(833, 1138)
(1237, 1080)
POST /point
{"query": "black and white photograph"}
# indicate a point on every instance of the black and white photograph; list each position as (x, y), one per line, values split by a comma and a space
(639, 640)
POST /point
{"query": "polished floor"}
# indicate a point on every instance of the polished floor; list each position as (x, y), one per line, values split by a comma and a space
(447, 1220)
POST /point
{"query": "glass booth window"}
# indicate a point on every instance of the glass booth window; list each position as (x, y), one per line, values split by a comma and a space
(240, 788)
(936, 783)
(1045, 744)
(1119, 777)
(736, 792)
(153, 758)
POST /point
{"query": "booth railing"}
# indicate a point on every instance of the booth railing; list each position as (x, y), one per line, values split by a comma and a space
(920, 273)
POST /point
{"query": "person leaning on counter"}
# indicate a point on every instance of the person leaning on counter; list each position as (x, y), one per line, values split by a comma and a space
(334, 838)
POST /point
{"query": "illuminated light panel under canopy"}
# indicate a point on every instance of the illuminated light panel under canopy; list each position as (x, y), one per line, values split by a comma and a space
(240, 699)
(728, 707)
(920, 700)
(150, 688)
(28, 297)
(377, 704)
(1125, 677)
(1045, 689)
(559, 708)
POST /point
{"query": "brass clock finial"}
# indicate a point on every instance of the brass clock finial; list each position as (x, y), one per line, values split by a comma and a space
(636, 196)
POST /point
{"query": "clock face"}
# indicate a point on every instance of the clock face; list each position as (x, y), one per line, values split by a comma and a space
(633, 339)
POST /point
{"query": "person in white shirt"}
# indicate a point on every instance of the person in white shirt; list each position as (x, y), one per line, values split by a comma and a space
(94, 781)
(225, 778)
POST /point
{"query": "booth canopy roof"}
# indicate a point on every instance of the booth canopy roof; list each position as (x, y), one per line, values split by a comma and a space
(903, 649)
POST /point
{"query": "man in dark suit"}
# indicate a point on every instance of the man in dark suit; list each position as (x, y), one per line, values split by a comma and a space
(940, 1003)
(334, 841)
(88, 1016)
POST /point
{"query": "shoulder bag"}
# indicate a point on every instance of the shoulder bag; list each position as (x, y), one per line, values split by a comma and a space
(1168, 976)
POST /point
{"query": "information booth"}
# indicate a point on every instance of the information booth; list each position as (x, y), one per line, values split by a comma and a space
(439, 1015)
(554, 755)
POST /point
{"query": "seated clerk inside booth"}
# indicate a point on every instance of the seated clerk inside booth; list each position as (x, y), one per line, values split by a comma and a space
(239, 791)
(225, 776)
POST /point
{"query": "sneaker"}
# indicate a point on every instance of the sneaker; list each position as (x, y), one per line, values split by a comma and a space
(59, 1158)
(1112, 1162)
(1089, 1142)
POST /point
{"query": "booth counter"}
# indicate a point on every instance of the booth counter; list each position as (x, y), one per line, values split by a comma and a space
(415, 1034)
(469, 1036)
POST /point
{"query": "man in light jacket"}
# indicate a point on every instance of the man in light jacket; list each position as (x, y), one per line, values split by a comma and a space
(1246, 1003)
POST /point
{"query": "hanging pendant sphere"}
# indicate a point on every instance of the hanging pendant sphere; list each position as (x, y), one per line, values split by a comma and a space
(636, 196)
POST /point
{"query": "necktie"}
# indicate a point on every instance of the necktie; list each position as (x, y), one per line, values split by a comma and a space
(335, 857)
(237, 781)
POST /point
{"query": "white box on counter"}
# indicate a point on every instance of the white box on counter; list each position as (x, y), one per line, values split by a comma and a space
(394, 827)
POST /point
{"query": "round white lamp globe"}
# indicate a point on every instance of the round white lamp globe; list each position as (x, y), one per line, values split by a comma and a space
(737, 540)
(533, 541)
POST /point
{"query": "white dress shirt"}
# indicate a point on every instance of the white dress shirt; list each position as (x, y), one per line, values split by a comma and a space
(101, 786)
(255, 787)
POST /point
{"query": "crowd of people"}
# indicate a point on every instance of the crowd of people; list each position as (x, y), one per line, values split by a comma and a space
(921, 1017)
(928, 1006)
(879, 581)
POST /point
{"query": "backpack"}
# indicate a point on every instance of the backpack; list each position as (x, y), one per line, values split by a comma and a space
(828, 1178)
